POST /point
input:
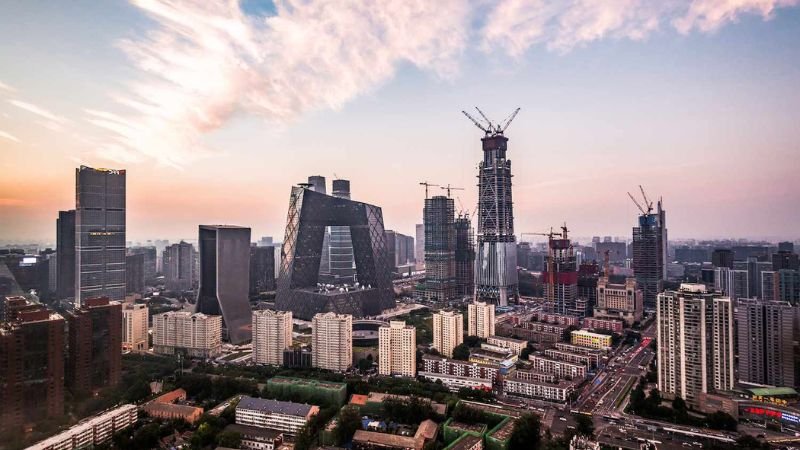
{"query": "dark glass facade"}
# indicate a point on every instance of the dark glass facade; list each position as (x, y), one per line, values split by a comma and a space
(262, 269)
(65, 251)
(224, 278)
(309, 213)
(94, 345)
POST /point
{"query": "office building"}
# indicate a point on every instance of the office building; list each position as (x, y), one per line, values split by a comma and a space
(31, 365)
(695, 336)
(300, 288)
(150, 260)
(464, 257)
(317, 183)
(480, 319)
(496, 258)
(440, 246)
(224, 278)
(397, 349)
(272, 333)
(262, 269)
(287, 417)
(785, 259)
(99, 234)
(65, 248)
(722, 257)
(134, 274)
(448, 331)
(650, 254)
(765, 338)
(181, 332)
(94, 342)
(332, 341)
(342, 260)
(419, 246)
(135, 328)
(733, 283)
(619, 297)
(178, 262)
(788, 286)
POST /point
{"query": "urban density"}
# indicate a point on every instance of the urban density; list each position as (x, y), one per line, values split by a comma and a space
(359, 329)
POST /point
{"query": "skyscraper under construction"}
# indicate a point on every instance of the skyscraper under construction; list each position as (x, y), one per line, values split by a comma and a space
(496, 259)
(650, 252)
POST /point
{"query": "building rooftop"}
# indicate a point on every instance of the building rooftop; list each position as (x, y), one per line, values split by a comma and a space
(384, 439)
(509, 339)
(773, 391)
(503, 430)
(247, 430)
(476, 427)
(308, 382)
(171, 408)
(358, 399)
(274, 406)
(465, 442)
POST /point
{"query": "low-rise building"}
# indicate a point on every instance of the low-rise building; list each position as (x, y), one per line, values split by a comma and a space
(457, 374)
(561, 369)
(466, 442)
(595, 323)
(372, 440)
(595, 355)
(287, 417)
(164, 407)
(591, 340)
(559, 391)
(91, 432)
(576, 358)
(560, 319)
(515, 345)
(256, 438)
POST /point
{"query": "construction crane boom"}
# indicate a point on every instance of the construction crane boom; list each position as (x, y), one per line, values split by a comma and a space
(448, 188)
(507, 122)
(647, 201)
(477, 124)
(491, 125)
(427, 185)
(637, 203)
(491, 128)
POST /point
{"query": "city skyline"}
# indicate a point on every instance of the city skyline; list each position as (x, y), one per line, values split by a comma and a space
(685, 100)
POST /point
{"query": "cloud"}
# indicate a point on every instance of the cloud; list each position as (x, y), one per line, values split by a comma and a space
(9, 136)
(12, 201)
(514, 26)
(205, 62)
(39, 111)
(7, 88)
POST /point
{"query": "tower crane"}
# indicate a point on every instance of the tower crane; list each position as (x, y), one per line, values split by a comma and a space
(427, 185)
(647, 202)
(448, 188)
(492, 129)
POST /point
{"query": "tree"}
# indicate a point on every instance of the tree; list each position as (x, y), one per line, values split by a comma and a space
(472, 341)
(230, 439)
(526, 433)
(348, 423)
(364, 364)
(584, 425)
(721, 420)
(748, 442)
(679, 409)
(461, 352)
(523, 355)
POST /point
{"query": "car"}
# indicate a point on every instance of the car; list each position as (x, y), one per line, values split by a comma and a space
(561, 418)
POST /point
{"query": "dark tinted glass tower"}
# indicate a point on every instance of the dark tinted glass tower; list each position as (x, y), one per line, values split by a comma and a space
(100, 233)
(465, 257)
(134, 273)
(179, 261)
(262, 269)
(496, 261)
(65, 250)
(224, 278)
(440, 248)
(650, 254)
(342, 263)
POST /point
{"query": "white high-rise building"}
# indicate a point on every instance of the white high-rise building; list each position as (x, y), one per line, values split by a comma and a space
(135, 327)
(480, 319)
(272, 333)
(448, 331)
(397, 349)
(332, 341)
(198, 334)
(695, 339)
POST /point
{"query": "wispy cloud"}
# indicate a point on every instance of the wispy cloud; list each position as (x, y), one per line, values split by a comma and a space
(39, 111)
(9, 136)
(7, 88)
(12, 201)
(205, 62)
(514, 26)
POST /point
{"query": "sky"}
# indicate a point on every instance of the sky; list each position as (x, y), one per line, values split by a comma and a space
(216, 109)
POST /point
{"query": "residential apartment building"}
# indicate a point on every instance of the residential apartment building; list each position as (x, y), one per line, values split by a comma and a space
(591, 340)
(480, 319)
(561, 369)
(397, 349)
(765, 338)
(197, 335)
(91, 432)
(272, 333)
(135, 327)
(332, 341)
(94, 342)
(287, 417)
(448, 331)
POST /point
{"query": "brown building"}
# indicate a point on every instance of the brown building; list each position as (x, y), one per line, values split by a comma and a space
(31, 364)
(94, 345)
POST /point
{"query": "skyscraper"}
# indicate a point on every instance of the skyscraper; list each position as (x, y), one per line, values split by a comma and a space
(464, 257)
(765, 335)
(332, 341)
(496, 259)
(262, 269)
(178, 264)
(95, 345)
(272, 333)
(134, 274)
(317, 183)
(448, 331)
(560, 277)
(31, 365)
(342, 262)
(397, 349)
(440, 243)
(650, 254)
(150, 260)
(419, 246)
(65, 248)
(99, 233)
(224, 278)
(732, 283)
(480, 319)
(695, 339)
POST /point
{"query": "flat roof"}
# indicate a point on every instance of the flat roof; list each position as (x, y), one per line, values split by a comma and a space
(478, 427)
(464, 442)
(274, 406)
(308, 381)
(387, 439)
(773, 391)
(247, 430)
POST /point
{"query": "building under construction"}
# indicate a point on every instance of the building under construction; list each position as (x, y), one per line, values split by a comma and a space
(465, 257)
(496, 259)
(560, 277)
(440, 246)
(650, 250)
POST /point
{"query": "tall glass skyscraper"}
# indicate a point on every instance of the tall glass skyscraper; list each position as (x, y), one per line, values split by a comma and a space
(342, 265)
(99, 234)
(650, 254)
